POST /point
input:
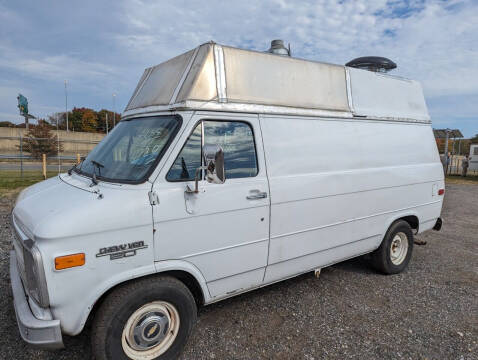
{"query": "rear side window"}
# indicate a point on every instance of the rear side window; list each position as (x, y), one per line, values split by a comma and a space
(236, 139)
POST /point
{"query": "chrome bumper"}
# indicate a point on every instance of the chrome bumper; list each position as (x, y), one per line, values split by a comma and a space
(44, 334)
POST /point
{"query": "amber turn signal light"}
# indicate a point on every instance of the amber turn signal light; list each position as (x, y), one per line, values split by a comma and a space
(69, 261)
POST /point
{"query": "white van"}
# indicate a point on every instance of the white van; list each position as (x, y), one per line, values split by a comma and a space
(230, 170)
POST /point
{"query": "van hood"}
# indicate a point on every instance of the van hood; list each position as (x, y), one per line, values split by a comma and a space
(66, 206)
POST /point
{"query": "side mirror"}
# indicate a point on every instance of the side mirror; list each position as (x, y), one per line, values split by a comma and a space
(215, 173)
(214, 160)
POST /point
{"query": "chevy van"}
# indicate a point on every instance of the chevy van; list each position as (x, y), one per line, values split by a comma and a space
(229, 170)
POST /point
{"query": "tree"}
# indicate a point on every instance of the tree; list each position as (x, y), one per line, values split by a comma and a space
(102, 114)
(40, 140)
(441, 145)
(474, 139)
(75, 118)
(89, 121)
(85, 119)
(6, 124)
(102, 119)
(45, 123)
(59, 118)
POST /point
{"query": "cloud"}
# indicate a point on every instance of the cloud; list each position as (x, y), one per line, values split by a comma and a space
(432, 41)
(103, 48)
(54, 67)
(437, 46)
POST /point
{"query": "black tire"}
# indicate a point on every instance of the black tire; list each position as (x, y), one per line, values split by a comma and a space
(381, 258)
(122, 302)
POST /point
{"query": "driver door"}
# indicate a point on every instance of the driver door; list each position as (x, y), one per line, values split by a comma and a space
(223, 230)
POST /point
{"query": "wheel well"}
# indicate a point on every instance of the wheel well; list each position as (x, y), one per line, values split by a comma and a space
(187, 279)
(191, 283)
(412, 220)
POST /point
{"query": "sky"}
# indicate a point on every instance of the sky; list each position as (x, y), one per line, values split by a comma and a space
(102, 48)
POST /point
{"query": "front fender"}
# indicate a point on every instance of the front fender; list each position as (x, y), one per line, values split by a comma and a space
(74, 328)
(73, 325)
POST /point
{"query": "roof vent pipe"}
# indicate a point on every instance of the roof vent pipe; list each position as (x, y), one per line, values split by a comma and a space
(278, 48)
(372, 63)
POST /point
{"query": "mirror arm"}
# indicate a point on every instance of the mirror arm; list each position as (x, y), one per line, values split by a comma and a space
(196, 181)
(214, 161)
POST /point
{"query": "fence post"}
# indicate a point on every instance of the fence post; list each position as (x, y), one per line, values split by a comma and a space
(58, 150)
(21, 154)
(78, 158)
(44, 165)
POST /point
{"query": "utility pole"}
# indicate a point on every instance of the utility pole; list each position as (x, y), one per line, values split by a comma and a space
(66, 107)
(58, 143)
(114, 110)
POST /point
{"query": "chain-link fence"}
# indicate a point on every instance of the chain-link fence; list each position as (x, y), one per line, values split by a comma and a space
(455, 166)
(22, 155)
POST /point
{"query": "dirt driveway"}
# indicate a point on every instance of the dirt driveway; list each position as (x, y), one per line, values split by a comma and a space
(350, 312)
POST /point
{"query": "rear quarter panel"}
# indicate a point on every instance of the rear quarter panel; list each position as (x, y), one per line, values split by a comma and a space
(337, 185)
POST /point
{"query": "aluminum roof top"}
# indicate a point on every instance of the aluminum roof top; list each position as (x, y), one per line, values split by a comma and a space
(215, 77)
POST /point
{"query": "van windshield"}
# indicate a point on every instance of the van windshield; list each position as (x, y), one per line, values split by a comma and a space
(131, 151)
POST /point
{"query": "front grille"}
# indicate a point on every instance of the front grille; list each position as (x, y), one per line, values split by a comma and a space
(30, 265)
(18, 246)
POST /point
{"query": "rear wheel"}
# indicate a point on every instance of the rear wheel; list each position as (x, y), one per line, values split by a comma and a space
(395, 252)
(148, 319)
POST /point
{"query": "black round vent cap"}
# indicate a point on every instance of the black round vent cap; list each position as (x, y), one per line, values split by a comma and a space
(374, 63)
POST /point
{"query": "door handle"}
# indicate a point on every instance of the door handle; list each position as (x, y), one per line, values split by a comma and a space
(256, 194)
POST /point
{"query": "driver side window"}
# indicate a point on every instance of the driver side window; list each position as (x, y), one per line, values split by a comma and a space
(188, 160)
(237, 141)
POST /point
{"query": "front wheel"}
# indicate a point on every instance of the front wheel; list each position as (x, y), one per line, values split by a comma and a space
(147, 319)
(395, 252)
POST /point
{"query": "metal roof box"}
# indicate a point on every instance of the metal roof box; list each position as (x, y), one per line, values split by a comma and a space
(216, 77)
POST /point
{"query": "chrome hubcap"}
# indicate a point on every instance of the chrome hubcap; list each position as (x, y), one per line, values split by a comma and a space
(150, 330)
(399, 248)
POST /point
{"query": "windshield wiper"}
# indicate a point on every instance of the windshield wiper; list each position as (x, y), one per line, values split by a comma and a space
(70, 170)
(96, 165)
(75, 166)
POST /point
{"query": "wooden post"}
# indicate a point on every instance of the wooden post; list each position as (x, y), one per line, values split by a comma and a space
(44, 166)
(78, 158)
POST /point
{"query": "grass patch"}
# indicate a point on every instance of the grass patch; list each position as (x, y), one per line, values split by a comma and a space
(457, 179)
(11, 181)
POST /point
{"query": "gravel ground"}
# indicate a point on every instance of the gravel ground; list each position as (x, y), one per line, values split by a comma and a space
(350, 312)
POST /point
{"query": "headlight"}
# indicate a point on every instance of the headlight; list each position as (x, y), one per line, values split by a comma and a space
(35, 274)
